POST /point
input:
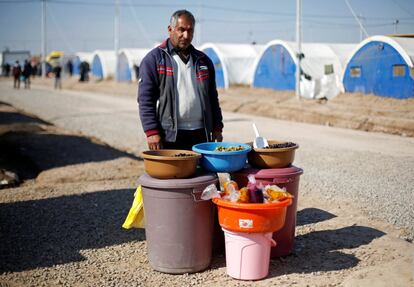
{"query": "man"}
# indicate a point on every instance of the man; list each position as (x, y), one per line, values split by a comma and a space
(177, 95)
(27, 73)
(57, 71)
(17, 72)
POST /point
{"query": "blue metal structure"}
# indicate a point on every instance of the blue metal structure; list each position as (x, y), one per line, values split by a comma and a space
(125, 73)
(97, 69)
(378, 68)
(218, 66)
(76, 65)
(275, 69)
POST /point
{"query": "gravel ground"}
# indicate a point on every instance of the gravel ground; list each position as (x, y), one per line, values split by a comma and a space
(61, 227)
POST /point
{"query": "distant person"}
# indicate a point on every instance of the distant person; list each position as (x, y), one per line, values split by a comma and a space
(87, 70)
(84, 71)
(177, 95)
(136, 69)
(17, 73)
(57, 71)
(6, 70)
(27, 73)
(34, 69)
(69, 67)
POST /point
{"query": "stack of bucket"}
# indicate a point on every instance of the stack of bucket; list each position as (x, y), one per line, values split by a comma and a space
(287, 178)
(248, 229)
(178, 223)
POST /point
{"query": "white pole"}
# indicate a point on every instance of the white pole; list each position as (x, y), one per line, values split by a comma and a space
(200, 19)
(43, 37)
(356, 18)
(116, 39)
(395, 26)
(299, 44)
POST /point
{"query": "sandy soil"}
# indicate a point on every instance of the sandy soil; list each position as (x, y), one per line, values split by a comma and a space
(61, 226)
(353, 111)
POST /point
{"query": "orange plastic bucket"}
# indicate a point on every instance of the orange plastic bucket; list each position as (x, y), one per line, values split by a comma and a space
(252, 217)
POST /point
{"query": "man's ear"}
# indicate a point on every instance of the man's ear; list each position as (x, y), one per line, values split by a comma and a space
(170, 29)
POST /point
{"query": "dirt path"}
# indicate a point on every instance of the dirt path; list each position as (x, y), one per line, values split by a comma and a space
(61, 227)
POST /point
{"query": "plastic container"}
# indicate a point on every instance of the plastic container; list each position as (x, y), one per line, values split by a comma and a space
(252, 217)
(272, 157)
(288, 178)
(165, 164)
(178, 223)
(222, 161)
(248, 254)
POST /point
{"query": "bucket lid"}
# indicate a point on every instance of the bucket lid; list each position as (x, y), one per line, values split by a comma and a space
(289, 171)
(199, 178)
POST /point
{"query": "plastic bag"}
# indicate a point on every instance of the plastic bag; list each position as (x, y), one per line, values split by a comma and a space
(135, 218)
(210, 192)
(255, 190)
(275, 193)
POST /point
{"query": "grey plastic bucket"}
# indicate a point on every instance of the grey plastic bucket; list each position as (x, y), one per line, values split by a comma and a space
(178, 223)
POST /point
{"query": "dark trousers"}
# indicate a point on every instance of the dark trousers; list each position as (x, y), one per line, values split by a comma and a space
(16, 83)
(186, 139)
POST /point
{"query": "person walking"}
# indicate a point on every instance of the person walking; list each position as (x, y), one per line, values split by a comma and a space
(27, 73)
(177, 94)
(57, 71)
(17, 72)
(69, 67)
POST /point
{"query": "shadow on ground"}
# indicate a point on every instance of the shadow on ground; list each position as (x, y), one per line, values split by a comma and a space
(42, 233)
(322, 250)
(29, 146)
(312, 215)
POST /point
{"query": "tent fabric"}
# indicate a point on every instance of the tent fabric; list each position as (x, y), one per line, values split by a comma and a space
(275, 68)
(127, 58)
(79, 58)
(382, 65)
(233, 62)
(103, 64)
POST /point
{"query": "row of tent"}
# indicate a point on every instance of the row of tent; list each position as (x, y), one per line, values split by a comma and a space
(103, 63)
(381, 65)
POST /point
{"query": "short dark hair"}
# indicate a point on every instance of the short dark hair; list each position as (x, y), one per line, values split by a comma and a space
(177, 14)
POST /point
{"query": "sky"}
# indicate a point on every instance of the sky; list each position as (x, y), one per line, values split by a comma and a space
(86, 25)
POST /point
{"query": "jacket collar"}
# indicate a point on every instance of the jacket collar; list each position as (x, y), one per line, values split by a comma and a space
(169, 48)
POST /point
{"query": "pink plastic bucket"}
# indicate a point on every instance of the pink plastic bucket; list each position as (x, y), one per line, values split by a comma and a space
(248, 254)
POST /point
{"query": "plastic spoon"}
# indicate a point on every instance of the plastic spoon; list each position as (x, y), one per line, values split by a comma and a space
(259, 142)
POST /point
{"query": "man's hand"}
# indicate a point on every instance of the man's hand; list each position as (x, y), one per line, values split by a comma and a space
(217, 136)
(154, 142)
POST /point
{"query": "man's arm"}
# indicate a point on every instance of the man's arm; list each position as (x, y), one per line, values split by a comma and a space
(148, 95)
(215, 106)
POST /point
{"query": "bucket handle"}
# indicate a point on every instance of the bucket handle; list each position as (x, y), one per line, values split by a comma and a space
(272, 242)
(282, 180)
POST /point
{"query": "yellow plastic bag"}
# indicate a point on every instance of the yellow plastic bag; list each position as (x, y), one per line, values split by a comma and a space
(135, 218)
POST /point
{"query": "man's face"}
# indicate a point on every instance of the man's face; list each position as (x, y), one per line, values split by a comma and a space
(182, 35)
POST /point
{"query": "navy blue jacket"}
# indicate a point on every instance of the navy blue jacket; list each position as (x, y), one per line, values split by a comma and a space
(157, 92)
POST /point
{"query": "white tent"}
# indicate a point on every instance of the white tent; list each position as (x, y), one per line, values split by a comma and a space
(323, 64)
(103, 64)
(127, 59)
(233, 62)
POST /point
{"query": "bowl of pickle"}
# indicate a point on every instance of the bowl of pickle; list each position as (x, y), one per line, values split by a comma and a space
(277, 154)
(222, 156)
(170, 163)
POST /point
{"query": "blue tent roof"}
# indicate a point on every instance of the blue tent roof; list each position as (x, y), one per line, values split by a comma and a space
(275, 69)
(383, 66)
(221, 82)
